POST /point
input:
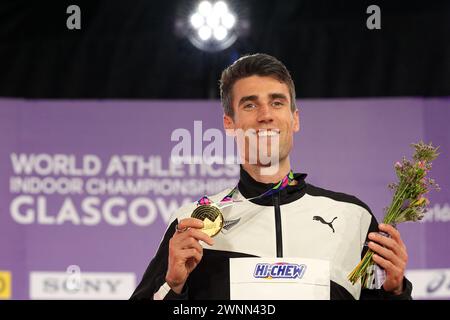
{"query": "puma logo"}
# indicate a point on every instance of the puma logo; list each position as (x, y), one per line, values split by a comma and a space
(330, 224)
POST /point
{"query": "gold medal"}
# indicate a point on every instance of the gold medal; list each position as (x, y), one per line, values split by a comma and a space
(212, 218)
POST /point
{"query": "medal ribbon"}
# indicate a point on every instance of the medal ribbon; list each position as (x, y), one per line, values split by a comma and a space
(228, 199)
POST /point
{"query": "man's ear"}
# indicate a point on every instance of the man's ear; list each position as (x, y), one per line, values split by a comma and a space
(228, 124)
(296, 120)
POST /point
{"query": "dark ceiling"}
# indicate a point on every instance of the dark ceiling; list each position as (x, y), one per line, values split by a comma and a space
(129, 49)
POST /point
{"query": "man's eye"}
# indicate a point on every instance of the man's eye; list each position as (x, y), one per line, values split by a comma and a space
(249, 106)
(278, 103)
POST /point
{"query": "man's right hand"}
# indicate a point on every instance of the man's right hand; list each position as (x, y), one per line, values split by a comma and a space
(185, 252)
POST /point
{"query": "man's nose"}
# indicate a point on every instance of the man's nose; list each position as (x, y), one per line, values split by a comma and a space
(265, 113)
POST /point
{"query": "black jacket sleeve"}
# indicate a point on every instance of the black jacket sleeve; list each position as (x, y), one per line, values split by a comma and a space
(380, 294)
(154, 276)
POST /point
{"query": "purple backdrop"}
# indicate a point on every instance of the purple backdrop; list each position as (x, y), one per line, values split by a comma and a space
(348, 145)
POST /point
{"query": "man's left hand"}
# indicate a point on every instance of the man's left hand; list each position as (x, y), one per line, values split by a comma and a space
(391, 255)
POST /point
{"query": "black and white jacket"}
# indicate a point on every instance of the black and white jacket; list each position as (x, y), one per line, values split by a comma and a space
(300, 221)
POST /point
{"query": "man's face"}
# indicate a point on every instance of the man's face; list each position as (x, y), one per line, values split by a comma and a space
(262, 105)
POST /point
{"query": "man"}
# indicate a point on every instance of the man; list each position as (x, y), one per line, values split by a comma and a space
(298, 220)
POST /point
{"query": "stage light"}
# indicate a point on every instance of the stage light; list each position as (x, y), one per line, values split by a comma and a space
(212, 26)
(204, 33)
(220, 7)
(220, 33)
(197, 20)
(205, 8)
(228, 20)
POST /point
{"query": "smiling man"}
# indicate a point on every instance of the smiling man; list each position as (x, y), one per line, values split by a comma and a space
(266, 106)
(274, 214)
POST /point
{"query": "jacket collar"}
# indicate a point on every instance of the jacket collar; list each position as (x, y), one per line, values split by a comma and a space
(250, 188)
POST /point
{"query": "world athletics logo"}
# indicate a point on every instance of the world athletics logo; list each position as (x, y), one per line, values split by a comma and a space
(279, 270)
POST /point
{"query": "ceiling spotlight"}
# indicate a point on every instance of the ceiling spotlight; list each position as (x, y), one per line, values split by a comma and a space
(204, 33)
(228, 20)
(212, 26)
(205, 8)
(220, 33)
(197, 20)
(220, 7)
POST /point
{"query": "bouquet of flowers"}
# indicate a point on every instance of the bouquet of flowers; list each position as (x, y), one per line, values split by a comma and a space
(408, 203)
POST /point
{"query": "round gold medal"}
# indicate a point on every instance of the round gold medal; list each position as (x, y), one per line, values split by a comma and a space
(212, 218)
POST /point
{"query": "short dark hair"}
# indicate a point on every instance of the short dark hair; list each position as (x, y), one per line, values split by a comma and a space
(258, 64)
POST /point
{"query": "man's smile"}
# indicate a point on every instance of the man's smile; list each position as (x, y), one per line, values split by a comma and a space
(266, 132)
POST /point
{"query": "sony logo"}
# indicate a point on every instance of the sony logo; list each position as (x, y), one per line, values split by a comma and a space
(86, 285)
(55, 285)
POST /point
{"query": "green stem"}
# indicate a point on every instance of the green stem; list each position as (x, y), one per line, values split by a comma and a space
(396, 204)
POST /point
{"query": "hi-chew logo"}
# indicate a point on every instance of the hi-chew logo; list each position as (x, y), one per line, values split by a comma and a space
(283, 270)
